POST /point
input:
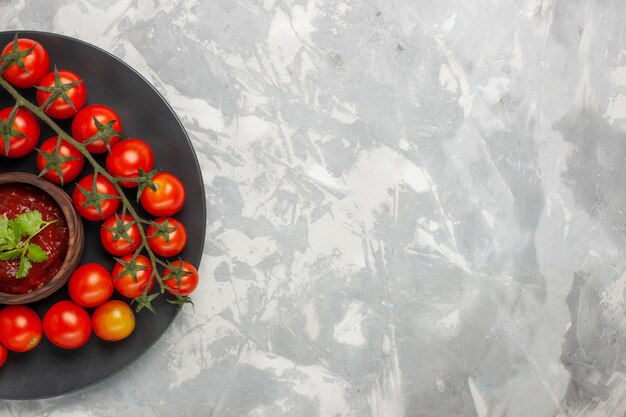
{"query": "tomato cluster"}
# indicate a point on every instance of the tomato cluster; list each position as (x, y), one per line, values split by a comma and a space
(129, 162)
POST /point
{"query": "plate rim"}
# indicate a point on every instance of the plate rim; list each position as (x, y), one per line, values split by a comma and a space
(203, 204)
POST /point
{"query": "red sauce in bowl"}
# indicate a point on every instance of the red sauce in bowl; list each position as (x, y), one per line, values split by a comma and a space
(20, 198)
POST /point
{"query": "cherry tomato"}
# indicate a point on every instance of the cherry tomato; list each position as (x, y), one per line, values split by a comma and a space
(25, 123)
(59, 108)
(90, 285)
(20, 328)
(127, 157)
(188, 282)
(84, 127)
(113, 321)
(168, 198)
(37, 64)
(176, 238)
(119, 246)
(89, 211)
(125, 284)
(67, 325)
(70, 169)
(3, 355)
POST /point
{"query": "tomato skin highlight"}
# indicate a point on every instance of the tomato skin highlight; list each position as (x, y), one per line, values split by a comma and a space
(70, 169)
(84, 127)
(188, 283)
(119, 247)
(126, 285)
(168, 198)
(177, 238)
(37, 64)
(3, 355)
(20, 328)
(90, 285)
(127, 157)
(113, 321)
(108, 206)
(26, 123)
(59, 108)
(67, 325)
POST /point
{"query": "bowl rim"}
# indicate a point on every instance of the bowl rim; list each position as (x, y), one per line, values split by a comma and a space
(75, 231)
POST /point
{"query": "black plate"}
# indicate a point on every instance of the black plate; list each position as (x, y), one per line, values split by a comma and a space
(48, 371)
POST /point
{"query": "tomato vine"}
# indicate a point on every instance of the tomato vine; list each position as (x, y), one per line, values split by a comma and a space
(144, 179)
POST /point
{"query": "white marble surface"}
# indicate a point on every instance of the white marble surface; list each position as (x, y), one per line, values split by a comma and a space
(416, 208)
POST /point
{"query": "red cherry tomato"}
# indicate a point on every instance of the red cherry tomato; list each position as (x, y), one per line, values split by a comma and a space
(59, 108)
(70, 169)
(113, 321)
(3, 355)
(20, 328)
(67, 325)
(126, 285)
(25, 123)
(37, 64)
(89, 211)
(84, 127)
(176, 238)
(119, 246)
(168, 198)
(127, 157)
(90, 285)
(188, 282)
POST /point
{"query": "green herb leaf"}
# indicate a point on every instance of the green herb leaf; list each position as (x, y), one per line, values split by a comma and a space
(12, 254)
(24, 267)
(28, 223)
(36, 253)
(7, 236)
(15, 236)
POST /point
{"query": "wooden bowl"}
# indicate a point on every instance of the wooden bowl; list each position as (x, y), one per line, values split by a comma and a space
(76, 238)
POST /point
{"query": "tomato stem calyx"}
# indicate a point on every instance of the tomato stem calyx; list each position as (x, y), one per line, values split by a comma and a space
(7, 130)
(105, 133)
(58, 90)
(93, 197)
(145, 301)
(121, 228)
(163, 230)
(15, 57)
(181, 300)
(54, 161)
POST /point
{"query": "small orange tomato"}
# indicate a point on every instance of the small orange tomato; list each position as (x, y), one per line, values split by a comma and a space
(113, 321)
